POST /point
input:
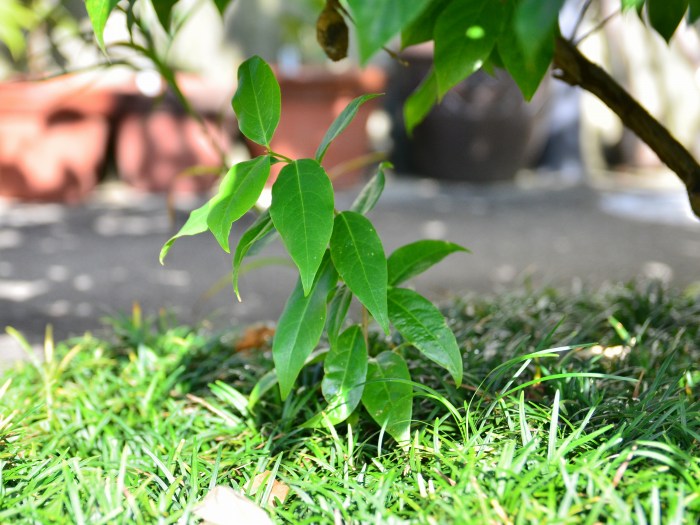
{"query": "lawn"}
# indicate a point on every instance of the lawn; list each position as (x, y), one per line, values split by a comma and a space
(575, 408)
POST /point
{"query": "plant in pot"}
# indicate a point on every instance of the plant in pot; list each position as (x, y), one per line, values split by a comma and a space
(172, 128)
(53, 131)
(314, 92)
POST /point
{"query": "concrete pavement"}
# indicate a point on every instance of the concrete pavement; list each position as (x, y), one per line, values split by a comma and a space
(71, 266)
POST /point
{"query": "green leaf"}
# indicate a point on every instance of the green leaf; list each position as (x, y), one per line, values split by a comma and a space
(666, 15)
(416, 257)
(420, 102)
(221, 5)
(465, 34)
(631, 4)
(99, 11)
(164, 10)
(238, 192)
(255, 237)
(358, 256)
(300, 327)
(371, 192)
(377, 21)
(337, 312)
(341, 122)
(421, 29)
(527, 69)
(388, 395)
(196, 223)
(536, 23)
(693, 11)
(345, 372)
(421, 324)
(257, 101)
(302, 211)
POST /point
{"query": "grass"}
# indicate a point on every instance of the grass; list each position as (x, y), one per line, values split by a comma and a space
(140, 428)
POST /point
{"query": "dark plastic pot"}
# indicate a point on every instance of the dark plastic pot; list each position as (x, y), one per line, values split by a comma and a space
(482, 131)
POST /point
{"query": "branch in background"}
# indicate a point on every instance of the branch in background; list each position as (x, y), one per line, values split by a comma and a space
(575, 69)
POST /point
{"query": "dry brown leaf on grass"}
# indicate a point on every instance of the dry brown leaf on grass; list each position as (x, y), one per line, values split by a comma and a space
(226, 506)
(255, 337)
(279, 490)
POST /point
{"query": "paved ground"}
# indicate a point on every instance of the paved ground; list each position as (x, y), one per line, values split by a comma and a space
(72, 266)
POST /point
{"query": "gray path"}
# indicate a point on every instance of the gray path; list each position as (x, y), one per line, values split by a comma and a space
(72, 266)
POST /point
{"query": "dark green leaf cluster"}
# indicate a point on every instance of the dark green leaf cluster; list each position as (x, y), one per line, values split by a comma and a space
(339, 256)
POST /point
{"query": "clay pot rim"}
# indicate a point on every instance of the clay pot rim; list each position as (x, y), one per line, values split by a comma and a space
(64, 92)
(369, 79)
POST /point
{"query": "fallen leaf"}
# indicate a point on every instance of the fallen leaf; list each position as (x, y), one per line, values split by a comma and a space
(256, 336)
(226, 506)
(279, 490)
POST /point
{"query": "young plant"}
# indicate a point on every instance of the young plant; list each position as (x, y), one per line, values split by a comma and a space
(339, 257)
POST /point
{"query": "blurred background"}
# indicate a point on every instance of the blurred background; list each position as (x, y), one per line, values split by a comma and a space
(99, 167)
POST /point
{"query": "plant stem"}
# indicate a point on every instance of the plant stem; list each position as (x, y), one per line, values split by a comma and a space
(575, 69)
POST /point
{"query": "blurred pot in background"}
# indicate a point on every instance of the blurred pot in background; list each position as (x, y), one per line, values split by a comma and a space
(159, 146)
(482, 131)
(312, 97)
(53, 137)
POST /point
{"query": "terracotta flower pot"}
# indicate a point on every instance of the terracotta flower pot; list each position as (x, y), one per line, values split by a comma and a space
(53, 138)
(311, 100)
(159, 147)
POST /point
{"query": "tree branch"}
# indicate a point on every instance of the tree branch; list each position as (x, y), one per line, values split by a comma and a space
(575, 69)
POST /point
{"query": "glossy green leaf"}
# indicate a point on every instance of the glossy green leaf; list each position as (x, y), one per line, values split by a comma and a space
(536, 23)
(222, 5)
(666, 15)
(465, 34)
(196, 223)
(380, 20)
(631, 4)
(341, 122)
(300, 327)
(388, 395)
(421, 29)
(527, 70)
(257, 101)
(164, 10)
(368, 197)
(416, 257)
(258, 235)
(420, 102)
(98, 11)
(337, 312)
(238, 192)
(358, 256)
(421, 324)
(345, 372)
(302, 211)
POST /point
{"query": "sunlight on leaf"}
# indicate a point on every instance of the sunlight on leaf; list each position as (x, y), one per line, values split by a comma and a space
(257, 101)
(302, 211)
(238, 193)
(196, 223)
